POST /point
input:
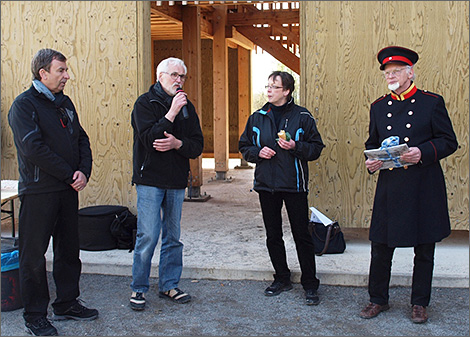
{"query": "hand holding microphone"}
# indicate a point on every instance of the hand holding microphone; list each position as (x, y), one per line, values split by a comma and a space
(184, 108)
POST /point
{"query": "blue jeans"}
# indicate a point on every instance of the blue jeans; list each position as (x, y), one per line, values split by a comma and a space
(158, 210)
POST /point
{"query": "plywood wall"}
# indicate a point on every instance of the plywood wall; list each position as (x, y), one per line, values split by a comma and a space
(340, 77)
(107, 61)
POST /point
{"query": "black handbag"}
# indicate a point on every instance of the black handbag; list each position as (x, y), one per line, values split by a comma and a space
(327, 239)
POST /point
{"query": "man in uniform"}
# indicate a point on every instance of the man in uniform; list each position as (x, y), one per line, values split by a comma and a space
(410, 206)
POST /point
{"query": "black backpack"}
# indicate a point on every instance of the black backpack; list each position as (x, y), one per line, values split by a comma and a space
(124, 229)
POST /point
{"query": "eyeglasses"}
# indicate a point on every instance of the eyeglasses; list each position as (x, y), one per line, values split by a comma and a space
(64, 119)
(393, 73)
(272, 87)
(174, 76)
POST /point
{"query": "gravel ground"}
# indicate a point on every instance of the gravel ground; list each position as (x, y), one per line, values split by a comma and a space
(239, 308)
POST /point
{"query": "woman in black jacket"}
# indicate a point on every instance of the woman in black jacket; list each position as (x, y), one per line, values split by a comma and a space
(281, 176)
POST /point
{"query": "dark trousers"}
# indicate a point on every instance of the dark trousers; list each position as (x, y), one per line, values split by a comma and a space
(42, 216)
(297, 211)
(380, 271)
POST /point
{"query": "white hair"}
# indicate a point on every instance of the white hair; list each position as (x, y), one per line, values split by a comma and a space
(164, 65)
(408, 69)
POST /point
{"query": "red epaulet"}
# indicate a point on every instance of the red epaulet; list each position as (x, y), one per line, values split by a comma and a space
(379, 99)
(429, 93)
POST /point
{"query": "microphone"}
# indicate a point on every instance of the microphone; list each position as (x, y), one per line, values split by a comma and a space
(184, 108)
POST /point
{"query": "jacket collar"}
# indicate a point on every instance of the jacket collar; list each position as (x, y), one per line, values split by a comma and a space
(157, 93)
(406, 94)
(287, 106)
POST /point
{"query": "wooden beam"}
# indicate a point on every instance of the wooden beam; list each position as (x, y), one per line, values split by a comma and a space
(231, 44)
(221, 109)
(172, 13)
(206, 29)
(191, 50)
(239, 39)
(274, 48)
(244, 88)
(263, 17)
(278, 29)
(144, 47)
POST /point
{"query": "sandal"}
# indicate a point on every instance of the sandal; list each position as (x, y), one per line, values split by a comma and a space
(175, 295)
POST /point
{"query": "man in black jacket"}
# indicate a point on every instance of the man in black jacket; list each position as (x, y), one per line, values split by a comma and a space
(281, 176)
(54, 160)
(410, 204)
(167, 134)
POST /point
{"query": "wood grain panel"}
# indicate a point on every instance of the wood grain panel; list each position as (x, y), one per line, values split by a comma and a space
(99, 38)
(341, 77)
(113, 175)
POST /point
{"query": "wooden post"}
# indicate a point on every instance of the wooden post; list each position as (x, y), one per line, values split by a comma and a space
(192, 58)
(221, 118)
(244, 94)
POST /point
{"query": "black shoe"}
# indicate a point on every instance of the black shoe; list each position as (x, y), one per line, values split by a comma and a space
(277, 287)
(311, 297)
(137, 301)
(41, 327)
(77, 312)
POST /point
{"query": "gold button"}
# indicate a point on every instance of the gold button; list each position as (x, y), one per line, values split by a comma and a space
(405, 167)
(390, 168)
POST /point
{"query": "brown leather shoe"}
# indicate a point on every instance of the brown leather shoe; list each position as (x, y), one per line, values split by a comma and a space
(419, 314)
(373, 310)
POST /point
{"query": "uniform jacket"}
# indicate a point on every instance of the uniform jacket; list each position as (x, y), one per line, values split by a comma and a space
(48, 152)
(287, 171)
(410, 205)
(170, 169)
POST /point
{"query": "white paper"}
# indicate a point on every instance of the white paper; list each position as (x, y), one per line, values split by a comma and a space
(390, 156)
(318, 216)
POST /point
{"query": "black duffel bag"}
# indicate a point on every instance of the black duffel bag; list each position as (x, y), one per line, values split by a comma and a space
(124, 229)
(327, 239)
(94, 226)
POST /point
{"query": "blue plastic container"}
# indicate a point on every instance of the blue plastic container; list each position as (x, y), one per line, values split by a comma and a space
(11, 294)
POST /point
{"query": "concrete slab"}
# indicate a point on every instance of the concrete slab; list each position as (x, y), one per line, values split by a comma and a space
(224, 238)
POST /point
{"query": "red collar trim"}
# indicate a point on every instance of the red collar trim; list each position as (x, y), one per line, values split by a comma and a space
(406, 94)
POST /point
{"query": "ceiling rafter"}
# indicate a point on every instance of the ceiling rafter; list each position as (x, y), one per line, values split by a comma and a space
(270, 25)
(275, 48)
